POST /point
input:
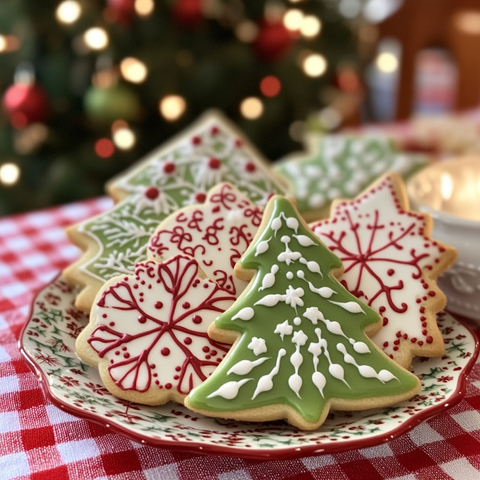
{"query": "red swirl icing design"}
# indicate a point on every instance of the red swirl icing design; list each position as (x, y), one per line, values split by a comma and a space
(152, 326)
(389, 262)
(216, 233)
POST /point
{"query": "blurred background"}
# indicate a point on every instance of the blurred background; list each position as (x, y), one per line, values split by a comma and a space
(90, 86)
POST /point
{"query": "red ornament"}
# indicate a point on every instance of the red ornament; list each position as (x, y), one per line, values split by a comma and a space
(273, 41)
(188, 13)
(26, 103)
(121, 11)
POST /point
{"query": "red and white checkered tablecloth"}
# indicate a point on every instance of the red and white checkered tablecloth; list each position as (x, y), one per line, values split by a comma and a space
(40, 441)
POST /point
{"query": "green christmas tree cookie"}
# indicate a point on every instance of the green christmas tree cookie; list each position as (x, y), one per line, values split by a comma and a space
(300, 344)
(341, 166)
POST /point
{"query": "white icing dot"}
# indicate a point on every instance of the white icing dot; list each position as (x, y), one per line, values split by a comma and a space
(289, 275)
(319, 381)
(300, 274)
(285, 239)
(297, 321)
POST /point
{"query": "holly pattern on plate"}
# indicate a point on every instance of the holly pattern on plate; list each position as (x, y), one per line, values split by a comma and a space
(215, 233)
(176, 175)
(49, 345)
(391, 263)
(341, 166)
(150, 329)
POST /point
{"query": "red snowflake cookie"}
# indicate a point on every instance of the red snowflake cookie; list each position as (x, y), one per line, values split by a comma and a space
(392, 264)
(149, 330)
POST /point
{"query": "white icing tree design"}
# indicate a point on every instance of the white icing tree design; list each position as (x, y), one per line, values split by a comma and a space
(300, 346)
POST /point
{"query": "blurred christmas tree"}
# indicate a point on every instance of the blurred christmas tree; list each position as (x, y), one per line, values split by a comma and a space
(89, 86)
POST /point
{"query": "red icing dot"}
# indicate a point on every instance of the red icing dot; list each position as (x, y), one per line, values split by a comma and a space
(429, 339)
(196, 140)
(238, 142)
(177, 369)
(385, 344)
(112, 324)
(126, 355)
(104, 315)
(158, 304)
(420, 342)
(152, 365)
(169, 167)
(152, 193)
(385, 321)
(213, 353)
(414, 339)
(214, 163)
(382, 309)
(142, 319)
(214, 131)
(188, 340)
(200, 197)
(431, 293)
(165, 351)
(390, 272)
(250, 167)
(208, 357)
(117, 352)
(168, 386)
(197, 319)
(185, 305)
(205, 349)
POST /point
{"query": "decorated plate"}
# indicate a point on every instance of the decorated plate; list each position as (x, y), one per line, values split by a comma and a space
(48, 344)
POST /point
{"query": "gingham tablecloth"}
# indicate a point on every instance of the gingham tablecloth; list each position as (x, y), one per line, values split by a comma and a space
(40, 441)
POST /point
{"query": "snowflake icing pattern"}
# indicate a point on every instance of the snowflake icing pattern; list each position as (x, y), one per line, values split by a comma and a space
(388, 259)
(152, 327)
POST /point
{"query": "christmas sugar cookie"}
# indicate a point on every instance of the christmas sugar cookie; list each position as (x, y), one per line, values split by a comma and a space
(339, 166)
(216, 233)
(177, 174)
(391, 263)
(300, 347)
(148, 331)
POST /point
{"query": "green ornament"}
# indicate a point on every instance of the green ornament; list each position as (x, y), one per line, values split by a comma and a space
(300, 345)
(105, 105)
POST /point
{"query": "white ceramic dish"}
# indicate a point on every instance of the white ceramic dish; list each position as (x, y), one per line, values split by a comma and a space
(48, 344)
(450, 192)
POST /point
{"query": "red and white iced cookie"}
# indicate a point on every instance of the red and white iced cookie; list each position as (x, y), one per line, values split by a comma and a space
(215, 233)
(148, 331)
(391, 263)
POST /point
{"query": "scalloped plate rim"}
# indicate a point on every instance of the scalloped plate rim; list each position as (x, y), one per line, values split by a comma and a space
(290, 453)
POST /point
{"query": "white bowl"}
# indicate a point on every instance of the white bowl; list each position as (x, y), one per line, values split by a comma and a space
(450, 192)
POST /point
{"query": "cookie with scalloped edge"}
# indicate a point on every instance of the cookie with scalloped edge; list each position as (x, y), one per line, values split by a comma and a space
(178, 173)
(147, 332)
(392, 264)
(340, 166)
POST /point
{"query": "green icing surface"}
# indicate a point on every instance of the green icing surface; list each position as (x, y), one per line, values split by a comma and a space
(168, 180)
(260, 321)
(341, 167)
